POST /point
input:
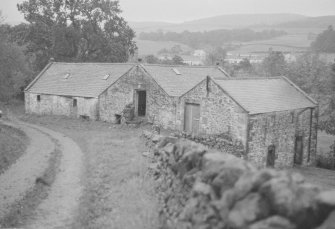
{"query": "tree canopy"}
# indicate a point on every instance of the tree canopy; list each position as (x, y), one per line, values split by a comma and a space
(75, 30)
(325, 41)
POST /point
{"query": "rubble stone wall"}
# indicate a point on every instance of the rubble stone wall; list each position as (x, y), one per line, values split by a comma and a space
(61, 105)
(280, 129)
(199, 188)
(160, 108)
(218, 112)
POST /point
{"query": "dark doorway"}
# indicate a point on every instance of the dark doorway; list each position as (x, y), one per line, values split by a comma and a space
(270, 161)
(192, 118)
(298, 150)
(142, 103)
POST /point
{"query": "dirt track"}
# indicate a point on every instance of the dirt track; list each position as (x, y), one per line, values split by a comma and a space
(59, 208)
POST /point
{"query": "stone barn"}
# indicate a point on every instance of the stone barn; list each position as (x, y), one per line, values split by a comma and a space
(272, 117)
(71, 89)
(155, 92)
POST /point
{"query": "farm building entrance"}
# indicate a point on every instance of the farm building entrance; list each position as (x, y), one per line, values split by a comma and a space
(298, 150)
(141, 103)
(192, 118)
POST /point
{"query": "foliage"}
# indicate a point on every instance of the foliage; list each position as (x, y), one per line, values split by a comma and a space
(151, 59)
(213, 38)
(216, 55)
(325, 42)
(15, 71)
(75, 30)
(310, 73)
(274, 64)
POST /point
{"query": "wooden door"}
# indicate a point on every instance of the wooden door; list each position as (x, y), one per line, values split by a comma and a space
(298, 150)
(192, 118)
(142, 103)
(271, 157)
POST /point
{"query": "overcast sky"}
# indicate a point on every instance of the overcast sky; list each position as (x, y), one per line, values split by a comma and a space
(183, 10)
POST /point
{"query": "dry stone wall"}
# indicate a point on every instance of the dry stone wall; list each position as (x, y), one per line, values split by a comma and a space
(199, 188)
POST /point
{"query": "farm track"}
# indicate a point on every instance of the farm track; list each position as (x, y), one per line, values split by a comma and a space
(60, 206)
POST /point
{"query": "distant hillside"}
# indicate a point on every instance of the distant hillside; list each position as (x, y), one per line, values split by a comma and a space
(232, 21)
(311, 22)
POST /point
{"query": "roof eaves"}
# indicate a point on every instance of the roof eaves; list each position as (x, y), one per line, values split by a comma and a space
(146, 72)
(267, 112)
(38, 76)
(300, 90)
(230, 96)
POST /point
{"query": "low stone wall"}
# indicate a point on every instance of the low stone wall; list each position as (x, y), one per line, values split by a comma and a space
(200, 188)
(221, 142)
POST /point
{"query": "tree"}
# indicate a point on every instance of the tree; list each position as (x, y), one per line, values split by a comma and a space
(216, 55)
(177, 60)
(76, 30)
(14, 72)
(151, 59)
(274, 64)
(325, 42)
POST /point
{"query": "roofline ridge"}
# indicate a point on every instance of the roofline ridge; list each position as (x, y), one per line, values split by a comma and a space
(183, 66)
(103, 63)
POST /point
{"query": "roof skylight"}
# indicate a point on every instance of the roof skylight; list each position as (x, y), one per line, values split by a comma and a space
(105, 77)
(67, 75)
(176, 71)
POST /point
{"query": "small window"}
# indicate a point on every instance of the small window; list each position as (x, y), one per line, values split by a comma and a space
(38, 98)
(74, 102)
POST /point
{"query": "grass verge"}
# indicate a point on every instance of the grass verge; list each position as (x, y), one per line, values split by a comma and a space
(13, 144)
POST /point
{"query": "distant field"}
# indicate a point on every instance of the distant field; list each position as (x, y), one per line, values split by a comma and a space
(287, 43)
(152, 47)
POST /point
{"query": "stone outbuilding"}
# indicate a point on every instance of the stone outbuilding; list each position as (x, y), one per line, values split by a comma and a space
(71, 89)
(274, 119)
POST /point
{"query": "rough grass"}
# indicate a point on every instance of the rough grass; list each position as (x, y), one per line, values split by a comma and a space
(13, 144)
(118, 191)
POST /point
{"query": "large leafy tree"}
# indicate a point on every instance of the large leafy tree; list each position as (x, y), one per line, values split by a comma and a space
(325, 41)
(76, 30)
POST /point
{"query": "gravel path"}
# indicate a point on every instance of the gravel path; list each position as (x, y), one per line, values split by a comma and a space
(21, 176)
(60, 207)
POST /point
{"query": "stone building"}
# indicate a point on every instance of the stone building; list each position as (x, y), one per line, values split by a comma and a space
(155, 91)
(71, 89)
(275, 121)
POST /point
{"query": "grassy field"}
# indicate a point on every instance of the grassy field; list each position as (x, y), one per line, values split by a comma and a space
(119, 193)
(152, 47)
(13, 144)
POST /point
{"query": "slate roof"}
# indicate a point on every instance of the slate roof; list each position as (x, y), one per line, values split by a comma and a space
(177, 85)
(85, 79)
(263, 95)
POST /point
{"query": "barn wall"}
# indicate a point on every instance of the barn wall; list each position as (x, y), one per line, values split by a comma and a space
(61, 105)
(280, 129)
(218, 112)
(160, 108)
